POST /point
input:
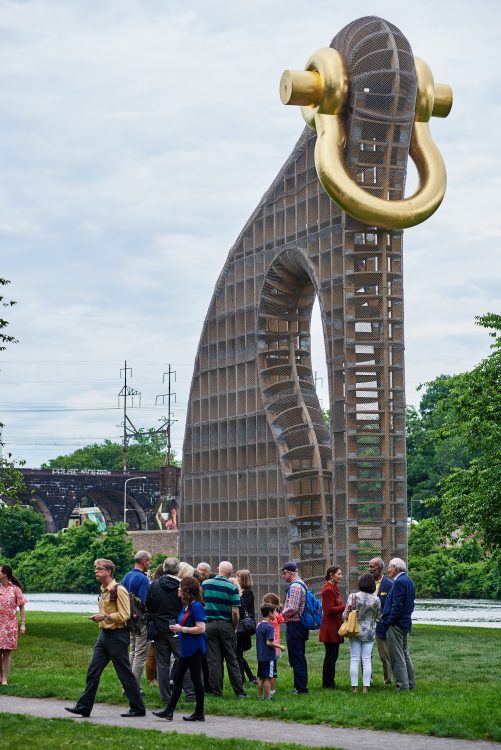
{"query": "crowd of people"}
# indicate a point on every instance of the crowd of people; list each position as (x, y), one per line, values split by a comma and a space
(197, 621)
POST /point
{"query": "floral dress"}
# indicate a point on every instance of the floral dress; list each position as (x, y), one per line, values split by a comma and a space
(10, 599)
(368, 607)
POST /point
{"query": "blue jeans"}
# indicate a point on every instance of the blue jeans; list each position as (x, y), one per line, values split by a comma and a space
(296, 637)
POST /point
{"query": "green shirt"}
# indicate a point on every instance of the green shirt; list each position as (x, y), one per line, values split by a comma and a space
(220, 596)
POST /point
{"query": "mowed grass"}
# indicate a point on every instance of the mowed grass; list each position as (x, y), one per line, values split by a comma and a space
(457, 671)
(18, 732)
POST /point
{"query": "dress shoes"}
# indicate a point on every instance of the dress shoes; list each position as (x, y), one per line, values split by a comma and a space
(78, 711)
(132, 713)
(194, 717)
(167, 715)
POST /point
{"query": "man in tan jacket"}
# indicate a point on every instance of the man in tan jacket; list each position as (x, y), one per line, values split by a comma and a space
(112, 644)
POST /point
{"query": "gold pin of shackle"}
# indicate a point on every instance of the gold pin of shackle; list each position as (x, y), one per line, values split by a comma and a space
(321, 90)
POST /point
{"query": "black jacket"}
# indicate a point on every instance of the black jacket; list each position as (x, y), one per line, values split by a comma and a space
(163, 602)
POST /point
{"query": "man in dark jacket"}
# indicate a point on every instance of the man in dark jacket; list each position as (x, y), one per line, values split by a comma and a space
(383, 587)
(163, 605)
(397, 622)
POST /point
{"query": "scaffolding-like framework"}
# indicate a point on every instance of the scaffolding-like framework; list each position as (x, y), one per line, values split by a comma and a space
(264, 479)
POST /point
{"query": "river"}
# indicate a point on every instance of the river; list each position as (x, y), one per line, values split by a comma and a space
(476, 613)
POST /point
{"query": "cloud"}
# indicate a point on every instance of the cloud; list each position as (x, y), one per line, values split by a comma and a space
(136, 140)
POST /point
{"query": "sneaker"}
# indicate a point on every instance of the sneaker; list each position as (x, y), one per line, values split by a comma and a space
(253, 681)
(241, 696)
(299, 692)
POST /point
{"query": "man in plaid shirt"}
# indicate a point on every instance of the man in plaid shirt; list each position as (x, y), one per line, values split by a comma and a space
(296, 633)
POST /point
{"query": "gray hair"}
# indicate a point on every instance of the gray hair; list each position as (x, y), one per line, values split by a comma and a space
(379, 562)
(142, 555)
(171, 566)
(399, 564)
(203, 567)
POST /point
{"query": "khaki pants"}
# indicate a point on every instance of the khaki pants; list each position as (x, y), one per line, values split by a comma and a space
(139, 647)
(384, 655)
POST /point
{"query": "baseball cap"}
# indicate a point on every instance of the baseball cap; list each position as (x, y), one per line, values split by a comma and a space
(290, 566)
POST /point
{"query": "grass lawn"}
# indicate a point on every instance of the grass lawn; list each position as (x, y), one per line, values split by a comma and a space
(457, 672)
(18, 732)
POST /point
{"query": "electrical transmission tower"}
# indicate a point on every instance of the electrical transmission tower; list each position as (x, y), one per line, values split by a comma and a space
(169, 421)
(129, 429)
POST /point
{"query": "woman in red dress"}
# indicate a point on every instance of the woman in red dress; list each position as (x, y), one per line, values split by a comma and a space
(332, 610)
(11, 597)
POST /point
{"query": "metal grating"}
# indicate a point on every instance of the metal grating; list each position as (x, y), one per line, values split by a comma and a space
(263, 479)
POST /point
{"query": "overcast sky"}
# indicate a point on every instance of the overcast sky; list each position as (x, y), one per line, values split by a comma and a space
(137, 136)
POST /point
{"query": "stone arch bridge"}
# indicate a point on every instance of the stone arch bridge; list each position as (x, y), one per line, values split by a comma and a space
(56, 492)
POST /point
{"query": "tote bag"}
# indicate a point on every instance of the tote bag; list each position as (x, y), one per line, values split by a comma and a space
(350, 628)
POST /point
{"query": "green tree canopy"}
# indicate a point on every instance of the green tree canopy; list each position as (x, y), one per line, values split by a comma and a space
(432, 452)
(20, 529)
(470, 497)
(146, 452)
(65, 561)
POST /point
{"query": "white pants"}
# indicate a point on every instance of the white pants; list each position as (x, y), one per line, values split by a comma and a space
(357, 649)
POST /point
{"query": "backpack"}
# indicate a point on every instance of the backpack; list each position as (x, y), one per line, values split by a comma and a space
(137, 617)
(312, 613)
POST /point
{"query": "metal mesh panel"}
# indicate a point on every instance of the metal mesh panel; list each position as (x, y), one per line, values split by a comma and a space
(263, 479)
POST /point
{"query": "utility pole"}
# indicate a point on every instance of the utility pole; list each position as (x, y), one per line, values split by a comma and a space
(125, 393)
(169, 421)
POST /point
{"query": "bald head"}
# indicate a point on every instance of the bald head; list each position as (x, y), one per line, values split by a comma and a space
(225, 569)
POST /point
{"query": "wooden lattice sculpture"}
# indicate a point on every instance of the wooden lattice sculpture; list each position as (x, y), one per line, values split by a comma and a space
(264, 479)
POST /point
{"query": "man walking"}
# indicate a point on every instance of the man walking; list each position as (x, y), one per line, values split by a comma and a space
(296, 633)
(222, 607)
(397, 623)
(112, 644)
(137, 582)
(164, 605)
(383, 586)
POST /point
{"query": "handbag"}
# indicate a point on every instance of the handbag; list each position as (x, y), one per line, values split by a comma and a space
(247, 625)
(350, 627)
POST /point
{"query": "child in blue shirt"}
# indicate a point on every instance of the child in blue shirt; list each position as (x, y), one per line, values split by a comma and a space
(266, 653)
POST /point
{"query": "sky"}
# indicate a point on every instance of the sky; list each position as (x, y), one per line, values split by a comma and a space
(138, 136)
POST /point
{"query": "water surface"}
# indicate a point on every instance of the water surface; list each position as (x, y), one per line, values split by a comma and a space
(477, 613)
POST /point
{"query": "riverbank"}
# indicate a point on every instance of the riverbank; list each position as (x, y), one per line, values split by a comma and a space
(480, 613)
(457, 681)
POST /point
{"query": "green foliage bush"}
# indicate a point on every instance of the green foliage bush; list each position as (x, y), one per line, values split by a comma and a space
(462, 571)
(20, 529)
(65, 561)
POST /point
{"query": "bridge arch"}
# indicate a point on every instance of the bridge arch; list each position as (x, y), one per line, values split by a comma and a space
(41, 506)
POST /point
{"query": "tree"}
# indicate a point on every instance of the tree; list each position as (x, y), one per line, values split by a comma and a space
(146, 452)
(11, 479)
(20, 529)
(4, 339)
(470, 497)
(65, 561)
(432, 452)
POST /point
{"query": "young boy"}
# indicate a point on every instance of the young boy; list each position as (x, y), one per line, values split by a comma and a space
(266, 654)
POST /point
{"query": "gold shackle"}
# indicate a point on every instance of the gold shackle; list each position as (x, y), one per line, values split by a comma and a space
(322, 91)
